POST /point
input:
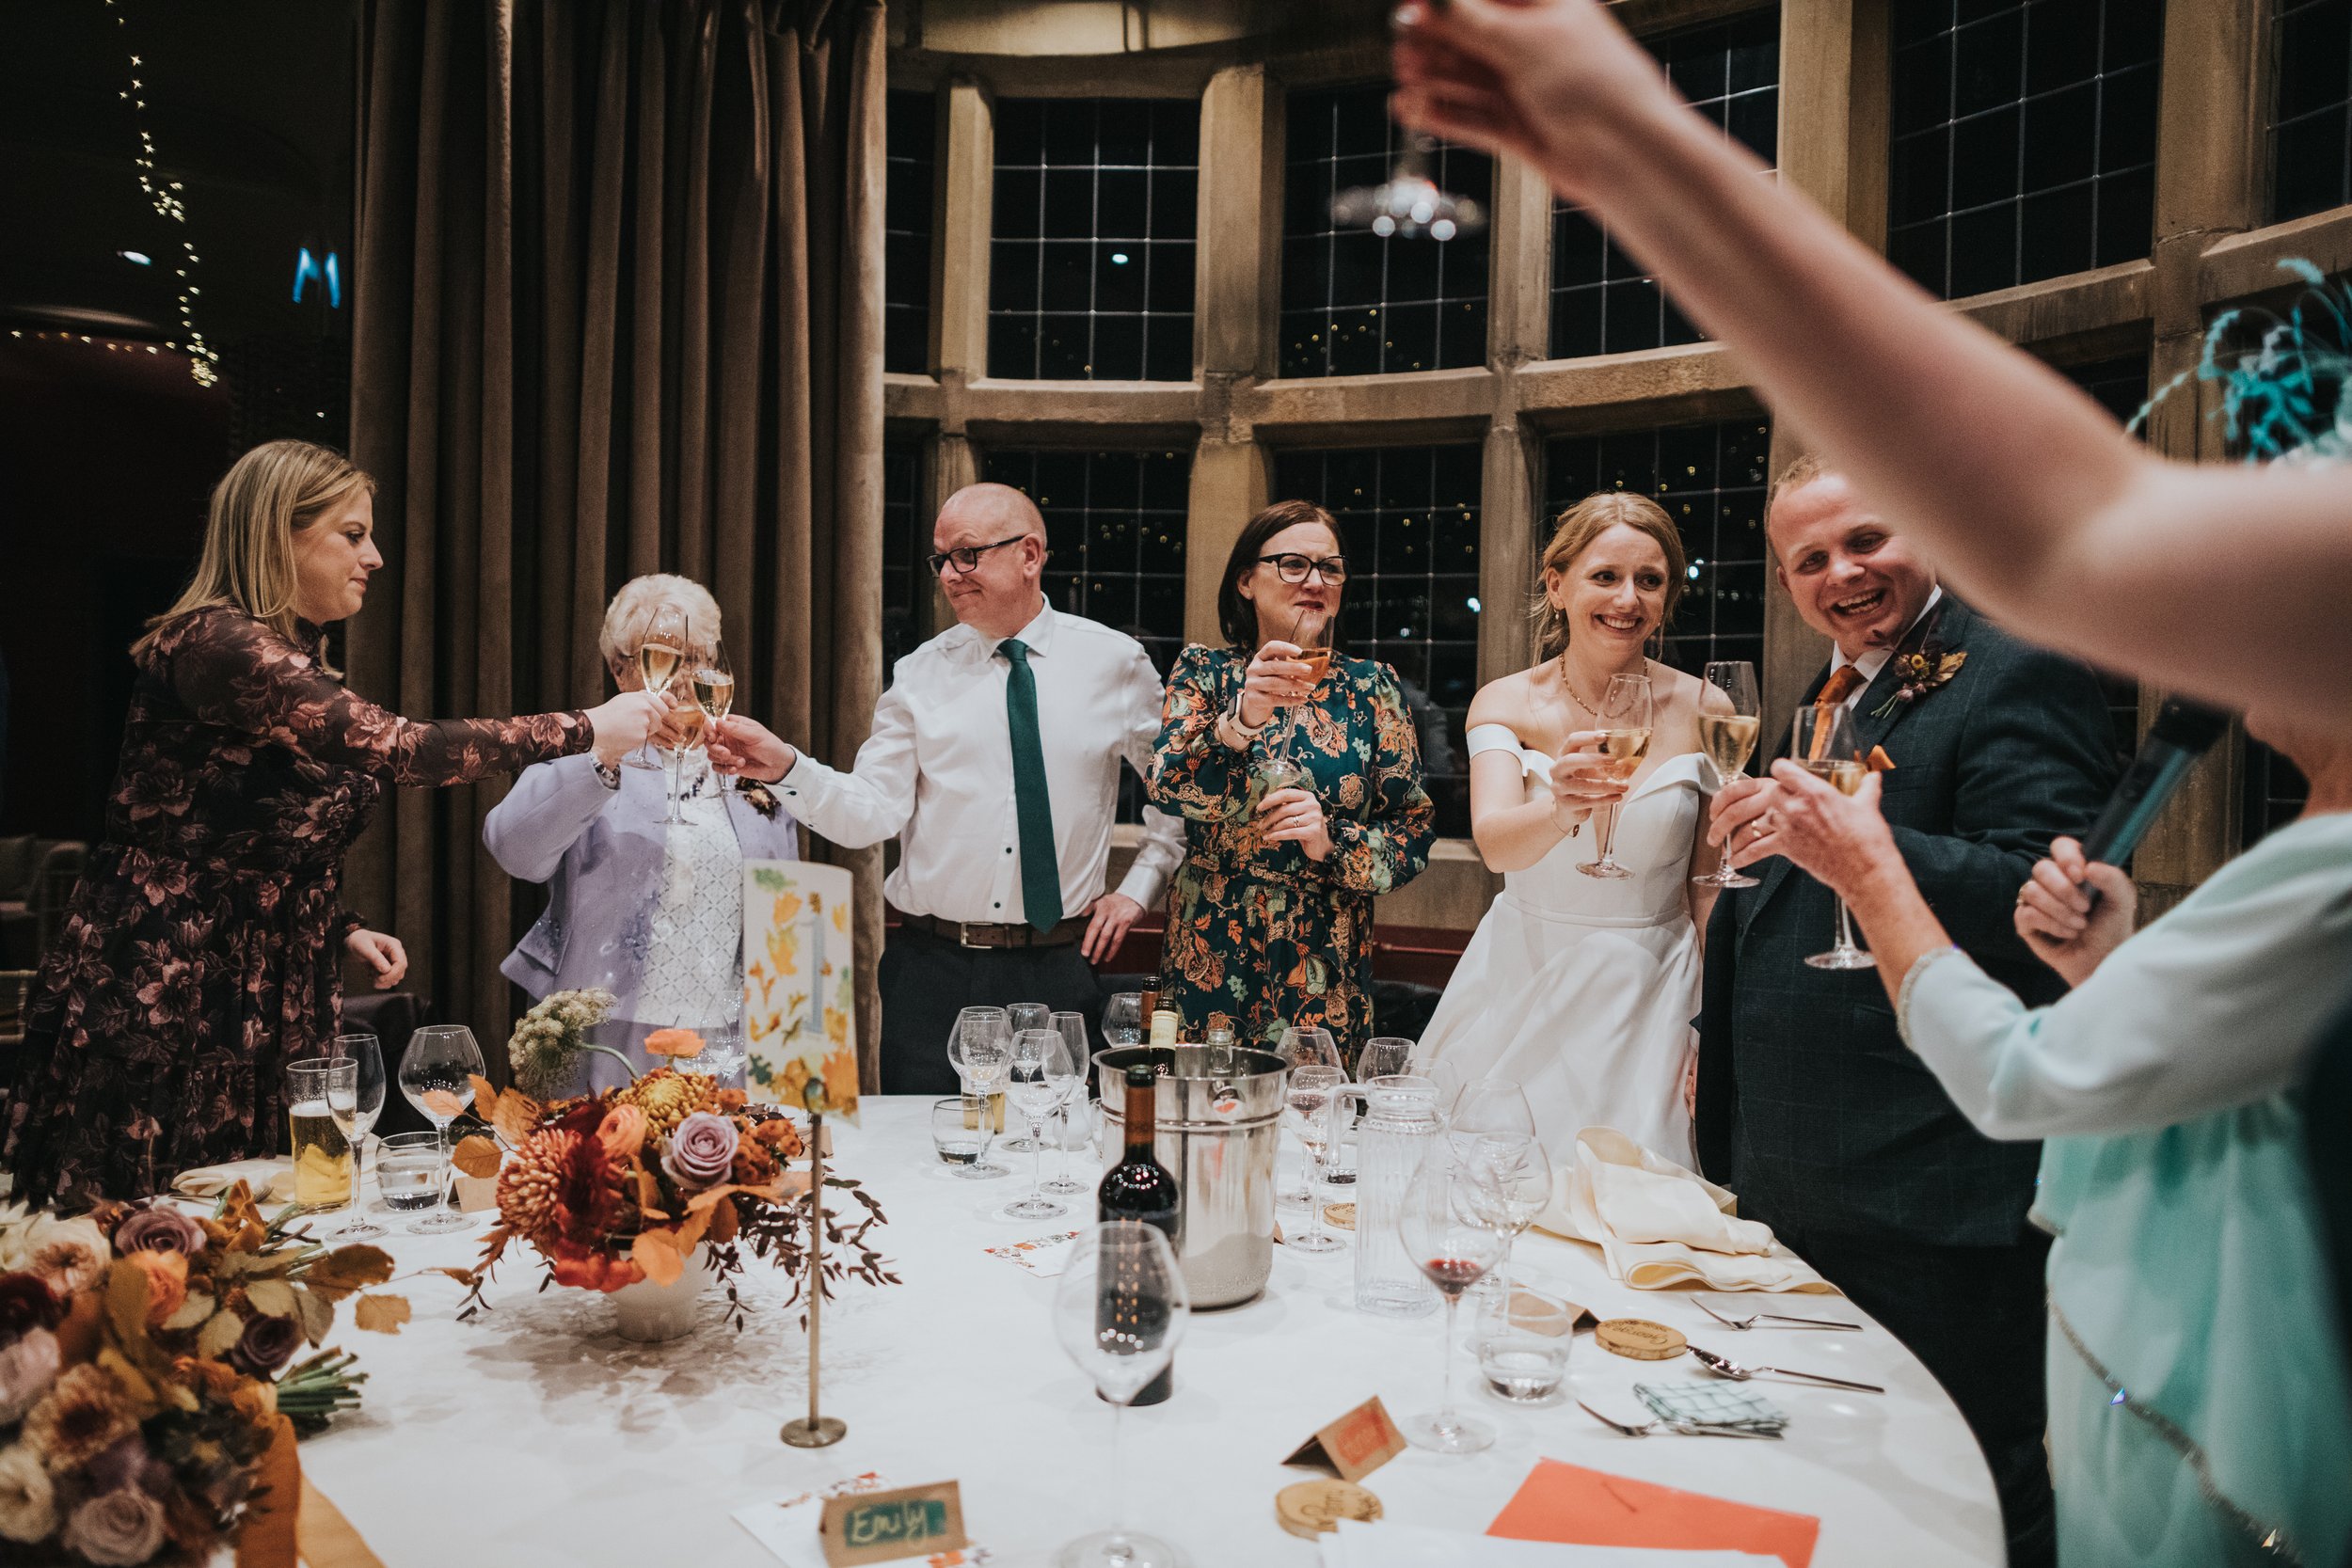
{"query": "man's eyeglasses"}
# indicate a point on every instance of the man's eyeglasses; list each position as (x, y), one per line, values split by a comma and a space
(1293, 568)
(967, 559)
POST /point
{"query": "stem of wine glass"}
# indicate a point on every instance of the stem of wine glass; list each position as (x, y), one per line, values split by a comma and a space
(1502, 1277)
(1314, 1194)
(1445, 1422)
(1609, 837)
(668, 773)
(1037, 1156)
(1845, 931)
(1119, 1492)
(440, 1176)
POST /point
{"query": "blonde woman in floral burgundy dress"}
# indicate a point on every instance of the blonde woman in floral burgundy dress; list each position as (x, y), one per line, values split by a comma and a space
(202, 951)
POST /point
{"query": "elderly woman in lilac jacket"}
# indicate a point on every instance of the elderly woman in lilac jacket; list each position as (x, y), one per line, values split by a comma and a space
(652, 913)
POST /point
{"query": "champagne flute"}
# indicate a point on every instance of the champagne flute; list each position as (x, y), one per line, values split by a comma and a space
(321, 1155)
(435, 1073)
(1119, 1312)
(1625, 726)
(1071, 1027)
(660, 636)
(1826, 746)
(1306, 1108)
(1021, 1016)
(1515, 1183)
(1041, 1072)
(355, 1117)
(1299, 1047)
(1729, 739)
(980, 1050)
(1446, 1235)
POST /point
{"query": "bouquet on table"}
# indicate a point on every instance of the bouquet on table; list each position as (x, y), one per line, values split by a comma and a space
(149, 1391)
(616, 1188)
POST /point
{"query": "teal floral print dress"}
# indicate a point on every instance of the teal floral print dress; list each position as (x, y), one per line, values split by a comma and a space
(1259, 931)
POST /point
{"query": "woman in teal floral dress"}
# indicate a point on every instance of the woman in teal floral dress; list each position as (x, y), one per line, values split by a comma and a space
(1270, 918)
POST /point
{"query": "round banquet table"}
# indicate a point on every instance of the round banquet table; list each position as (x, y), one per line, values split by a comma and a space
(533, 1435)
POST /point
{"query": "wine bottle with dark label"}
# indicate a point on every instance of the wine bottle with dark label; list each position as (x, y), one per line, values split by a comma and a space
(1139, 1188)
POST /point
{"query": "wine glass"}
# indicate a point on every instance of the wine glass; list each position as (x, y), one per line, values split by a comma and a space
(1383, 1057)
(1040, 1073)
(1123, 1023)
(1071, 1027)
(1729, 739)
(1515, 1184)
(1625, 724)
(980, 1049)
(1299, 1047)
(1307, 1111)
(1827, 748)
(1119, 1312)
(435, 1073)
(1488, 1107)
(321, 1155)
(354, 1117)
(1019, 1017)
(660, 637)
(1446, 1235)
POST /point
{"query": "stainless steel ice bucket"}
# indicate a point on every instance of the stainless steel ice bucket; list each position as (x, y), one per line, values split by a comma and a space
(1216, 1132)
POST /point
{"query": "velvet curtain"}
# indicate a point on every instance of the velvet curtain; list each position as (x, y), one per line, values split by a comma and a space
(618, 301)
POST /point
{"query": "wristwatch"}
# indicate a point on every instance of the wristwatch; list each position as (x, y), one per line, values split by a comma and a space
(1230, 730)
(608, 776)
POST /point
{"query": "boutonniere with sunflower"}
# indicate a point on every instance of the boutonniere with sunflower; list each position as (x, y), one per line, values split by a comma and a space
(1921, 672)
(757, 796)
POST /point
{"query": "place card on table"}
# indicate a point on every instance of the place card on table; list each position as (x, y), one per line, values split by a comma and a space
(887, 1526)
(1570, 1504)
(1043, 1256)
(794, 1527)
(1354, 1446)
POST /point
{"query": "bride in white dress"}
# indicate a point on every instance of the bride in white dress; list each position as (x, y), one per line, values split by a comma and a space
(1579, 988)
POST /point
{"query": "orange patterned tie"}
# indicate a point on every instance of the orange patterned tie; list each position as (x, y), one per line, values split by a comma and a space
(1840, 686)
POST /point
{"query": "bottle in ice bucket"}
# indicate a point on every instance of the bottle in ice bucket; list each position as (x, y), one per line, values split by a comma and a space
(1164, 1027)
(1139, 1188)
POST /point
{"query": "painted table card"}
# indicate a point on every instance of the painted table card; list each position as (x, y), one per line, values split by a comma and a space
(800, 987)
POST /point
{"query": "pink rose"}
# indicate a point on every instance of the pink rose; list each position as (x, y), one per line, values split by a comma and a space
(702, 1151)
(27, 1367)
(159, 1229)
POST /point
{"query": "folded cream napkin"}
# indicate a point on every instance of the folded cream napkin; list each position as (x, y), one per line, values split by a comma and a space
(1658, 1225)
(271, 1180)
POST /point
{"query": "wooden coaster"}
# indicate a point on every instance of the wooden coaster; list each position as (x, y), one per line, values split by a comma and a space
(1313, 1507)
(1340, 1216)
(1638, 1339)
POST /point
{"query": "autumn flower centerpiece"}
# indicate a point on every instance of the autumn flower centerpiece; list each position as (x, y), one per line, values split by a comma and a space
(665, 1178)
(149, 1392)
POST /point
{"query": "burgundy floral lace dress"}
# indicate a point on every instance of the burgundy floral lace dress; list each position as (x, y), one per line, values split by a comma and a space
(202, 952)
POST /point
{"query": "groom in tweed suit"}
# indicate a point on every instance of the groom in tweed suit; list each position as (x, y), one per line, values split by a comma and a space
(1809, 1106)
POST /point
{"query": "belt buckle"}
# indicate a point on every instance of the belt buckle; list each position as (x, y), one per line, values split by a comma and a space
(963, 936)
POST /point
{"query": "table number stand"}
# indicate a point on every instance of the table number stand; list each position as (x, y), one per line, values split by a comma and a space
(816, 1430)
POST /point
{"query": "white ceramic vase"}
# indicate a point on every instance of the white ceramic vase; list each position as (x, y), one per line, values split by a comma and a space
(648, 1313)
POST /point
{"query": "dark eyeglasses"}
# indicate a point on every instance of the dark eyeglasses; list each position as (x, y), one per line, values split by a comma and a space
(1294, 567)
(966, 560)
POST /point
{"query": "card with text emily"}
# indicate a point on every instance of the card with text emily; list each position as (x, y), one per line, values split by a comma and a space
(800, 987)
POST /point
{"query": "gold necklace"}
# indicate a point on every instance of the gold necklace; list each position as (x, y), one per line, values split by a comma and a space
(1569, 687)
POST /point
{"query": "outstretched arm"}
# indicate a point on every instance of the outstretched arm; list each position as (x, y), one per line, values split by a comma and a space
(2032, 502)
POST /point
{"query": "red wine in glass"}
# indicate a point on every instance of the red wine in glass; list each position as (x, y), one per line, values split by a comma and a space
(1452, 1275)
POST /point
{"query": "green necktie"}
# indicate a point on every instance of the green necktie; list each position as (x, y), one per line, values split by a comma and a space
(1032, 804)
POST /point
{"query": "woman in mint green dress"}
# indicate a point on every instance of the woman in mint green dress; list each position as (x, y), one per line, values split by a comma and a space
(2200, 1409)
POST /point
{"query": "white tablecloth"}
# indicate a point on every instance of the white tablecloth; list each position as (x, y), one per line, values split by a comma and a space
(534, 1435)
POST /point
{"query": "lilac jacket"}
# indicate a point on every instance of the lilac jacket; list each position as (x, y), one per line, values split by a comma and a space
(602, 849)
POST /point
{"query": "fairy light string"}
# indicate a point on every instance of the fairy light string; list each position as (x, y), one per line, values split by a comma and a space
(164, 196)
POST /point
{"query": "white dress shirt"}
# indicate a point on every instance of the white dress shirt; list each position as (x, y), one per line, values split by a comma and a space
(1874, 659)
(937, 771)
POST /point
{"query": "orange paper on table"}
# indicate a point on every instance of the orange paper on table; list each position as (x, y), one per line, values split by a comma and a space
(1590, 1508)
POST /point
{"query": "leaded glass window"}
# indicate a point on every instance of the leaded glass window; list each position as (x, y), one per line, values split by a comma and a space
(1602, 301)
(2310, 112)
(1353, 303)
(1115, 524)
(2024, 139)
(1091, 260)
(906, 539)
(1408, 524)
(2120, 386)
(911, 132)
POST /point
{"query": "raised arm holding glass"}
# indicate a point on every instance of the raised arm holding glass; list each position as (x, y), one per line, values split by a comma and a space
(1299, 777)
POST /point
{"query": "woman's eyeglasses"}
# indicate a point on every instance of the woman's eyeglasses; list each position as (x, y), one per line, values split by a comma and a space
(1293, 568)
(967, 559)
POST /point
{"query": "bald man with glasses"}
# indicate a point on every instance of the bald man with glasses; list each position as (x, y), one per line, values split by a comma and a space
(994, 762)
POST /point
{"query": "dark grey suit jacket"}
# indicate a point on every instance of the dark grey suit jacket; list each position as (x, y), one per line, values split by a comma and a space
(1811, 1107)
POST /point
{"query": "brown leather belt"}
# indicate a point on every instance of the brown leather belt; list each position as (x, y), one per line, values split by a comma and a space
(970, 933)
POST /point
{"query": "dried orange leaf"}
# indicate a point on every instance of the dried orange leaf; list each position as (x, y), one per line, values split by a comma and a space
(657, 1252)
(349, 1269)
(443, 1103)
(380, 1314)
(486, 1095)
(273, 1296)
(220, 1335)
(192, 1312)
(126, 1300)
(476, 1156)
(318, 1315)
(515, 1117)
